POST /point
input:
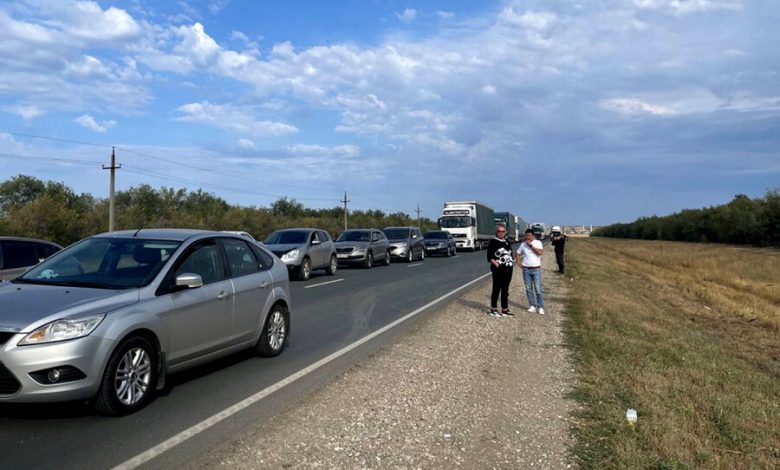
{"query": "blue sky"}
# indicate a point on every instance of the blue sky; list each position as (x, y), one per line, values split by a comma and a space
(564, 111)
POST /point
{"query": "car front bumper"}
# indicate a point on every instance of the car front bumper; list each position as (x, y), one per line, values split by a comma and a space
(87, 355)
(434, 250)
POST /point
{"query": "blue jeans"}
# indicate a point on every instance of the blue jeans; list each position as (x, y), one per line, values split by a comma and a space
(533, 281)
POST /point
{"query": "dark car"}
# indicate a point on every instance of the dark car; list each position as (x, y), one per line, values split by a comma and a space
(17, 254)
(303, 250)
(406, 243)
(440, 242)
(363, 247)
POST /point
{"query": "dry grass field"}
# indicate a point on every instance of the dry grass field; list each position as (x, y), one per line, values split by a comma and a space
(689, 336)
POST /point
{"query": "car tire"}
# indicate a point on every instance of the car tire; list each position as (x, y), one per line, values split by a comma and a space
(304, 272)
(410, 258)
(387, 258)
(333, 266)
(275, 332)
(422, 254)
(132, 368)
(369, 262)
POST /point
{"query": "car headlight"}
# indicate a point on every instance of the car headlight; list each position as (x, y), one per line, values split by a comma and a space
(401, 245)
(291, 255)
(360, 250)
(61, 330)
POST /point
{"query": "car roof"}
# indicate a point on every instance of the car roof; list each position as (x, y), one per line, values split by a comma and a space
(305, 229)
(26, 239)
(176, 234)
(403, 226)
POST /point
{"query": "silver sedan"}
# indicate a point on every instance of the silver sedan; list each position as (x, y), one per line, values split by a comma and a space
(109, 317)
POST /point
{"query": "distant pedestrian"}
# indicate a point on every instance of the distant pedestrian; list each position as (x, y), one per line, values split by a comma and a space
(558, 242)
(499, 255)
(529, 256)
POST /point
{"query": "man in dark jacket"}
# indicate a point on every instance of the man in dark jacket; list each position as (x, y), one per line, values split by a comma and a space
(558, 242)
(499, 255)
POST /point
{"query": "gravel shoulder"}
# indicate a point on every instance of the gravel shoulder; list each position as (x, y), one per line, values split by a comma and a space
(460, 388)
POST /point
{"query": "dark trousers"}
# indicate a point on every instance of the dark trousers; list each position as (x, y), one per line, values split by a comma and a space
(559, 260)
(501, 280)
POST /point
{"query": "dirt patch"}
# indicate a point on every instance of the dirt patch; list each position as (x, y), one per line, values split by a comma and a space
(461, 389)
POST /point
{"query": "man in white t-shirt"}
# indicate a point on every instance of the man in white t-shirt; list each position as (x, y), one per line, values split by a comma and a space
(529, 256)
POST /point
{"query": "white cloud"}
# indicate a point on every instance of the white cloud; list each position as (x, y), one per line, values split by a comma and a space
(445, 15)
(27, 112)
(216, 6)
(236, 35)
(232, 118)
(245, 144)
(408, 15)
(319, 150)
(89, 122)
(634, 106)
(489, 90)
(682, 7)
(529, 19)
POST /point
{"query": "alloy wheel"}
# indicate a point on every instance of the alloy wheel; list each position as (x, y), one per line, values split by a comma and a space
(133, 375)
(277, 330)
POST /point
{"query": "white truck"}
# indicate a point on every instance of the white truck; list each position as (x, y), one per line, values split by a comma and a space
(471, 223)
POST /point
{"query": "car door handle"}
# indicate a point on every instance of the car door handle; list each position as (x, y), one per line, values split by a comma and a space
(264, 284)
(223, 295)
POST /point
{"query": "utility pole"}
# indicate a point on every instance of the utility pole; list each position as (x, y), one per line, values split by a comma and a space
(113, 169)
(418, 215)
(345, 201)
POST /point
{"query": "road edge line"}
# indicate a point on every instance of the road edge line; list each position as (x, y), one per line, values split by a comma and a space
(324, 283)
(196, 429)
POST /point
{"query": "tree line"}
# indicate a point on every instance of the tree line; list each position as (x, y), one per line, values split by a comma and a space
(743, 221)
(50, 210)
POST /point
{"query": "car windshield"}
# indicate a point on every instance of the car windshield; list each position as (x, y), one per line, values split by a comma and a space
(355, 236)
(435, 235)
(396, 233)
(455, 222)
(287, 237)
(104, 263)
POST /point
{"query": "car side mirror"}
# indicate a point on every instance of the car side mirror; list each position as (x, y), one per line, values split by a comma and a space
(189, 280)
(315, 242)
(414, 235)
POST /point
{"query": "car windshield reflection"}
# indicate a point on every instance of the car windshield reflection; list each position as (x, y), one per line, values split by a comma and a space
(103, 263)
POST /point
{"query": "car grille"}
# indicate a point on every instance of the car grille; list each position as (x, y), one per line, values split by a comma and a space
(8, 383)
(5, 336)
(459, 235)
(279, 253)
(344, 250)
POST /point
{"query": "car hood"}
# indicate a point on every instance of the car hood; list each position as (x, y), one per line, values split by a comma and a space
(284, 247)
(351, 244)
(28, 306)
(399, 240)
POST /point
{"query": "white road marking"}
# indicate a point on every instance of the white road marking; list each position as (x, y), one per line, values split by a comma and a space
(188, 433)
(324, 283)
(415, 264)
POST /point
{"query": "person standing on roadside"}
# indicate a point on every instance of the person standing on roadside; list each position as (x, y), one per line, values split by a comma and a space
(558, 242)
(529, 256)
(499, 255)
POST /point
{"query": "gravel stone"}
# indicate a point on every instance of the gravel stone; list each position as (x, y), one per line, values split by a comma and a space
(459, 389)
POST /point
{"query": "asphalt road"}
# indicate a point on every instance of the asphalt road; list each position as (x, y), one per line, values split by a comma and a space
(326, 317)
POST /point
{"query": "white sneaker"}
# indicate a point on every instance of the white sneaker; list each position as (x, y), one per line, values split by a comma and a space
(531, 309)
(541, 311)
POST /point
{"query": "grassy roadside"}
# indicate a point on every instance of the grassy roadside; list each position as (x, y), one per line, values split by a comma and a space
(689, 336)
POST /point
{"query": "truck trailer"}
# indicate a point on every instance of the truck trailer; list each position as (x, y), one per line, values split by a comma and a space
(509, 220)
(471, 223)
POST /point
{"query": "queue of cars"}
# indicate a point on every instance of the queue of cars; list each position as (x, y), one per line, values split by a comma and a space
(107, 318)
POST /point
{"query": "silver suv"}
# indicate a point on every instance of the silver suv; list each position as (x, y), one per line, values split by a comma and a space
(17, 254)
(303, 250)
(363, 247)
(110, 316)
(406, 243)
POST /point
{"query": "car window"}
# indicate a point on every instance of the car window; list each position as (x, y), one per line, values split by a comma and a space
(375, 237)
(264, 260)
(19, 254)
(324, 236)
(205, 260)
(45, 250)
(315, 237)
(240, 258)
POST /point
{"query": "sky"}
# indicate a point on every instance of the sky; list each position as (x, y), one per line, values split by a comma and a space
(562, 111)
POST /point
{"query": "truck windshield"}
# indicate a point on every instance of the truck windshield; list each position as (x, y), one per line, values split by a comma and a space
(456, 222)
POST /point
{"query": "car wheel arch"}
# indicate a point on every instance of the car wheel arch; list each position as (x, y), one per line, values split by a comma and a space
(152, 337)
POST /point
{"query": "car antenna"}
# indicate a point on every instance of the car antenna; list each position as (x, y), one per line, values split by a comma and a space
(136, 232)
